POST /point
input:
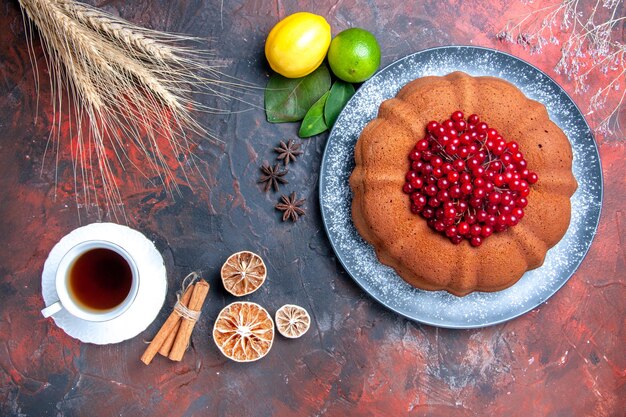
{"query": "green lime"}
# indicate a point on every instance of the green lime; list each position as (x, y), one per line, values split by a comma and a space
(354, 55)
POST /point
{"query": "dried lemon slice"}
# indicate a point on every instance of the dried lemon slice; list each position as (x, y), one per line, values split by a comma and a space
(243, 273)
(244, 331)
(292, 321)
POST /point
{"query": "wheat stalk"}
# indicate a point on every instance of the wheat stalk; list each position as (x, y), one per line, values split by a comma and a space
(126, 85)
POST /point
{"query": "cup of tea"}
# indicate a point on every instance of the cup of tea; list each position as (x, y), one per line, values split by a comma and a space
(95, 281)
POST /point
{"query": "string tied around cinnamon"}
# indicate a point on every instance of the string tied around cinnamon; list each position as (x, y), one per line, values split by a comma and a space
(181, 309)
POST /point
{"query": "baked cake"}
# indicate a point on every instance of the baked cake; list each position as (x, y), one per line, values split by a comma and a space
(438, 232)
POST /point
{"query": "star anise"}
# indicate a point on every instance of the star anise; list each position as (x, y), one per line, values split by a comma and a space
(272, 177)
(290, 206)
(288, 152)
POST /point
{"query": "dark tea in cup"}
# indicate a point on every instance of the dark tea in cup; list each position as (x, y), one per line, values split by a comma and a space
(96, 280)
(100, 279)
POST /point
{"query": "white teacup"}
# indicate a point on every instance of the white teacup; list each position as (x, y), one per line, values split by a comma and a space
(67, 300)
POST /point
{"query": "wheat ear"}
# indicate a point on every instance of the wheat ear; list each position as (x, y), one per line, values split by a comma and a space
(127, 86)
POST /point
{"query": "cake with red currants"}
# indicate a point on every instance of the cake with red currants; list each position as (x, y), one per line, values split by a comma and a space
(462, 183)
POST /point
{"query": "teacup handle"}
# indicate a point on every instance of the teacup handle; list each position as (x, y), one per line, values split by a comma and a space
(52, 309)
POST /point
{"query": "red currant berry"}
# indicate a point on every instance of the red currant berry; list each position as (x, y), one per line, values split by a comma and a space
(466, 188)
(428, 212)
(455, 191)
(417, 183)
(451, 231)
(492, 209)
(449, 221)
(449, 212)
(482, 127)
(473, 163)
(492, 133)
(453, 177)
(431, 190)
(419, 199)
(410, 175)
(495, 197)
(475, 202)
(512, 147)
(448, 124)
(447, 167)
(502, 220)
(479, 193)
(465, 138)
(463, 152)
(478, 171)
(451, 149)
(443, 195)
(456, 239)
(432, 127)
(422, 145)
(521, 202)
(498, 150)
(463, 228)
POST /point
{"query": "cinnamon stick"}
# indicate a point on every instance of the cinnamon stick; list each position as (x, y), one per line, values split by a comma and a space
(200, 292)
(164, 332)
(167, 344)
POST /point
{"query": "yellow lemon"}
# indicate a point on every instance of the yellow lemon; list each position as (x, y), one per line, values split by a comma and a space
(297, 45)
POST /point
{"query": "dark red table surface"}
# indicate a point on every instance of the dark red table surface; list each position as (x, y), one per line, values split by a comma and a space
(565, 358)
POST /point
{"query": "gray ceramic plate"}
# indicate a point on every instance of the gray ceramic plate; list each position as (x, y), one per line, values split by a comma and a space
(439, 308)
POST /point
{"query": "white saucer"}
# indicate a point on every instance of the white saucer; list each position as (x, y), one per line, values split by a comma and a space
(147, 304)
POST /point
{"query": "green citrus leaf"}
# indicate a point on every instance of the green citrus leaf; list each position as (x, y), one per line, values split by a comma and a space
(289, 99)
(313, 123)
(340, 93)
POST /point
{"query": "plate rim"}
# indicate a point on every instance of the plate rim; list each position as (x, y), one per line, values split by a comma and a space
(524, 310)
